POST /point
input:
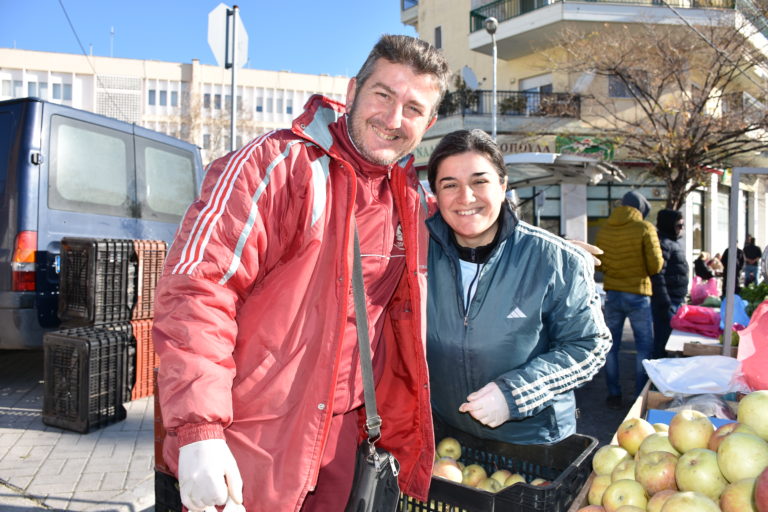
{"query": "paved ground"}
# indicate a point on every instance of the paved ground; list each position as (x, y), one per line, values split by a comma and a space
(45, 468)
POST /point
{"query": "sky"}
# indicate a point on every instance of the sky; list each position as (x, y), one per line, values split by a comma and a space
(303, 36)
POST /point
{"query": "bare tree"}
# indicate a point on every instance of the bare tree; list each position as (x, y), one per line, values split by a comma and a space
(697, 101)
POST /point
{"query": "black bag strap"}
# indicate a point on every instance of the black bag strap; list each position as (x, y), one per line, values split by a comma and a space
(372, 420)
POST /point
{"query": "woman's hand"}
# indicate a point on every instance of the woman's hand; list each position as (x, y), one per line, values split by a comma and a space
(594, 250)
(487, 405)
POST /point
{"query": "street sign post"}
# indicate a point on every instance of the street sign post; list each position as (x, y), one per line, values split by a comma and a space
(229, 43)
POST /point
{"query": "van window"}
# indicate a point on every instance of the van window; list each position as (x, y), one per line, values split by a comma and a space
(91, 168)
(166, 180)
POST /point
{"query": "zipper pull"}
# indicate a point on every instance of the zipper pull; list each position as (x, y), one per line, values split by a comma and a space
(393, 463)
(466, 321)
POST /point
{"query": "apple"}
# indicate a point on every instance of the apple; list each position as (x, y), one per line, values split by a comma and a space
(719, 434)
(632, 432)
(449, 447)
(737, 497)
(591, 508)
(697, 470)
(513, 479)
(752, 411)
(630, 508)
(656, 471)
(657, 500)
(624, 492)
(473, 474)
(661, 427)
(624, 470)
(446, 467)
(607, 457)
(690, 429)
(761, 491)
(689, 501)
(490, 485)
(540, 482)
(501, 475)
(596, 489)
(742, 455)
(656, 442)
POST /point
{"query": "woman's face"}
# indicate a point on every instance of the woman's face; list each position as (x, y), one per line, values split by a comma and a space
(470, 194)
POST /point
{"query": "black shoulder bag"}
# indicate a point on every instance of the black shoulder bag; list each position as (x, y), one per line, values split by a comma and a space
(375, 487)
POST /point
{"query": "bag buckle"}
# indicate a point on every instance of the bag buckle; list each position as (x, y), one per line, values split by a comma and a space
(373, 424)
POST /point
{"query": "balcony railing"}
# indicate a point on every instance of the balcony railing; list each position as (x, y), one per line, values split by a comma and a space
(510, 103)
(503, 10)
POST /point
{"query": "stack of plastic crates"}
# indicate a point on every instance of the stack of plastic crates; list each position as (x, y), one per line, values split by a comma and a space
(85, 376)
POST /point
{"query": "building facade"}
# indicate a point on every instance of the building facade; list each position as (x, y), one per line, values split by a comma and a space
(190, 101)
(541, 109)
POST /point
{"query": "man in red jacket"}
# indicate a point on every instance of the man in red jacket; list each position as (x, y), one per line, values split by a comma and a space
(259, 379)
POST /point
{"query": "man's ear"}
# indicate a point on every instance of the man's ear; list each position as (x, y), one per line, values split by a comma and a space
(432, 122)
(351, 90)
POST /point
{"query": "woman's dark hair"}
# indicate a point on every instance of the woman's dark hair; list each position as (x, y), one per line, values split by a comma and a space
(465, 141)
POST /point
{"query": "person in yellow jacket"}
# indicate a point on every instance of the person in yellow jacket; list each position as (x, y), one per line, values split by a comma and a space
(631, 256)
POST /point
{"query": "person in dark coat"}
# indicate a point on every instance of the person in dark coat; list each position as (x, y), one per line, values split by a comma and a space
(739, 266)
(700, 267)
(752, 255)
(670, 286)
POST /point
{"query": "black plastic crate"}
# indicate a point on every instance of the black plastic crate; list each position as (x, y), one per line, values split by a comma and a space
(167, 497)
(84, 372)
(97, 281)
(566, 465)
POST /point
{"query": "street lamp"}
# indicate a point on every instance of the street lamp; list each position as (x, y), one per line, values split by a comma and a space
(491, 24)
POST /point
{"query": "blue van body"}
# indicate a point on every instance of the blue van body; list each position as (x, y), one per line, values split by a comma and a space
(66, 172)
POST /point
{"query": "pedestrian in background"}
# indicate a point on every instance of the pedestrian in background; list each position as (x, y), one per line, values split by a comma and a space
(259, 380)
(514, 320)
(701, 268)
(670, 286)
(631, 255)
(752, 255)
(739, 267)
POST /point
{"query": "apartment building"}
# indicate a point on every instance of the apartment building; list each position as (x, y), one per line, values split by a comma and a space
(541, 109)
(191, 101)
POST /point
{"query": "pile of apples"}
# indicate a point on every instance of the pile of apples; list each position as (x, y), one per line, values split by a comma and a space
(448, 466)
(687, 466)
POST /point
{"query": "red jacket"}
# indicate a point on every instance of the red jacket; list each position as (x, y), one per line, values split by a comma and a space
(251, 309)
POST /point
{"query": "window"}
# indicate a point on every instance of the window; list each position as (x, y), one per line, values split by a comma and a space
(618, 89)
(42, 90)
(17, 88)
(206, 141)
(151, 99)
(269, 105)
(67, 92)
(31, 88)
(165, 180)
(163, 98)
(6, 90)
(228, 102)
(207, 100)
(279, 108)
(438, 37)
(259, 104)
(174, 98)
(56, 91)
(289, 106)
(217, 101)
(92, 170)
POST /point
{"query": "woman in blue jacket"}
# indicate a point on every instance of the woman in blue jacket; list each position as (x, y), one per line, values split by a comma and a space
(514, 319)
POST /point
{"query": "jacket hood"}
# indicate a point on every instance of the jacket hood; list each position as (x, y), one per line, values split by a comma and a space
(665, 222)
(636, 200)
(624, 215)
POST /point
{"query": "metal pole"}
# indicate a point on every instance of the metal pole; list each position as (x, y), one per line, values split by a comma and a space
(730, 271)
(233, 103)
(494, 104)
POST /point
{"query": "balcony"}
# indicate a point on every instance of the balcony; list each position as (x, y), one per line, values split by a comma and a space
(510, 103)
(409, 12)
(528, 25)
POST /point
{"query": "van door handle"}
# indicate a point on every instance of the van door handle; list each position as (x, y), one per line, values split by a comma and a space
(36, 158)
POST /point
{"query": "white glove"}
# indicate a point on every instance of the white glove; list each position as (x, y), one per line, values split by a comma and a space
(208, 476)
(487, 405)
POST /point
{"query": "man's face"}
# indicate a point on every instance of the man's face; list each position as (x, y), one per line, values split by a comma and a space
(390, 113)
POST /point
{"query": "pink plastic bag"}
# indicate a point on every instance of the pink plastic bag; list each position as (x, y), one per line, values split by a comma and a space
(753, 349)
(701, 289)
(697, 319)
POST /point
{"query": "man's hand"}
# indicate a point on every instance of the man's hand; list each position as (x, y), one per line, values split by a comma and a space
(208, 476)
(594, 250)
(487, 405)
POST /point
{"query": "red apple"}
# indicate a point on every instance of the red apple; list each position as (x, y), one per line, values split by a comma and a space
(719, 434)
(752, 411)
(446, 467)
(690, 429)
(738, 496)
(657, 500)
(632, 432)
(761, 491)
(656, 471)
(689, 501)
(624, 492)
(697, 470)
(742, 455)
(607, 457)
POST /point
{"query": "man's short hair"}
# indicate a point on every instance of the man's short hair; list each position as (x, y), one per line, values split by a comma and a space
(421, 56)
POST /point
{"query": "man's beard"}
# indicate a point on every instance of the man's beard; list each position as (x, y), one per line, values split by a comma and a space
(356, 135)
